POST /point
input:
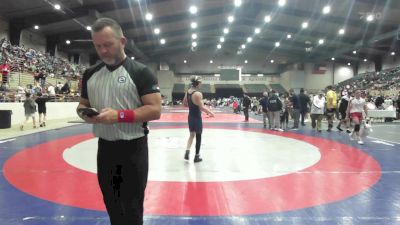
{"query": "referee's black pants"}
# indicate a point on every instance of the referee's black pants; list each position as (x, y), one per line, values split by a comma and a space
(122, 168)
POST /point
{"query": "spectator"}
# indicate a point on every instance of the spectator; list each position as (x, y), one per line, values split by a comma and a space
(304, 105)
(294, 99)
(51, 90)
(331, 104)
(286, 104)
(246, 106)
(317, 111)
(264, 108)
(379, 102)
(30, 110)
(66, 89)
(41, 102)
(274, 108)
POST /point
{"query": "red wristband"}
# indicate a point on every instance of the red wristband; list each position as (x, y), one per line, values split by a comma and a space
(126, 116)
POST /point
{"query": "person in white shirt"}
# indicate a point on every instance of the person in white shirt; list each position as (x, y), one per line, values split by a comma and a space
(317, 110)
(355, 111)
(388, 103)
(51, 90)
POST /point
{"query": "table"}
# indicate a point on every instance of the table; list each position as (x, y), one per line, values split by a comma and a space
(379, 113)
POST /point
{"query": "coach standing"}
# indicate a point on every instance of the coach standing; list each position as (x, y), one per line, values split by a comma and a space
(126, 95)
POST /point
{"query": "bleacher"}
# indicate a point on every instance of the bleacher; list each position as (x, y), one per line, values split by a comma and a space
(385, 82)
(24, 79)
(278, 88)
(17, 79)
(255, 90)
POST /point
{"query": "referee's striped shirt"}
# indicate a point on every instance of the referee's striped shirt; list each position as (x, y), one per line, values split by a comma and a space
(119, 87)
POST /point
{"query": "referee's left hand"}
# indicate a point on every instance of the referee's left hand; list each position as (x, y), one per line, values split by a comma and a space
(108, 116)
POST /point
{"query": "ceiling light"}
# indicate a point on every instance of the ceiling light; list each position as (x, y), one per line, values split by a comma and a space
(370, 18)
(237, 3)
(365, 60)
(57, 7)
(231, 19)
(349, 64)
(288, 36)
(157, 30)
(226, 30)
(36, 27)
(393, 53)
(132, 57)
(211, 61)
(88, 28)
(243, 46)
(219, 46)
(257, 30)
(162, 41)
(277, 44)
(193, 9)
(245, 61)
(149, 16)
(341, 31)
(321, 41)
(194, 36)
(333, 59)
(282, 2)
(194, 44)
(184, 61)
(304, 25)
(272, 61)
(267, 19)
(326, 9)
(354, 52)
(221, 39)
(68, 42)
(193, 25)
(249, 39)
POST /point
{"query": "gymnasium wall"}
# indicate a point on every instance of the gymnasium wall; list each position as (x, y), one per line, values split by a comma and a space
(391, 61)
(84, 60)
(200, 62)
(293, 78)
(297, 78)
(364, 67)
(33, 39)
(335, 73)
(4, 28)
(60, 54)
(166, 83)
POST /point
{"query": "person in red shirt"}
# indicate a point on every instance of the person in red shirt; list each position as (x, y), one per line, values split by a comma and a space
(5, 71)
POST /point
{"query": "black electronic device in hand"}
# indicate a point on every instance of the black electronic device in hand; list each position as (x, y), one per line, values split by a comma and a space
(89, 112)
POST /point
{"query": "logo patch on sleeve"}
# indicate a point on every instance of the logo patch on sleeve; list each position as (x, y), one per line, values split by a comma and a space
(121, 79)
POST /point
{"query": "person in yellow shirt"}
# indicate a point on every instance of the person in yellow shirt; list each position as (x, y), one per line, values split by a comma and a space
(331, 104)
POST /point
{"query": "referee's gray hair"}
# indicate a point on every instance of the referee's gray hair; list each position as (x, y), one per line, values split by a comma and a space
(101, 23)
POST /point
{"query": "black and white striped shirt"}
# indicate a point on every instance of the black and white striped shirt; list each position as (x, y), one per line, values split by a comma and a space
(120, 88)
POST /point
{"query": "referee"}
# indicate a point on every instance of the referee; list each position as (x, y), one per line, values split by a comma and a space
(126, 95)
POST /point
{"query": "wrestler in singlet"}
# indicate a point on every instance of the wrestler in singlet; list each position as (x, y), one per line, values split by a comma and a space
(194, 118)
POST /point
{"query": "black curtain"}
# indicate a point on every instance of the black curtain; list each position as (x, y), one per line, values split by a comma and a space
(227, 92)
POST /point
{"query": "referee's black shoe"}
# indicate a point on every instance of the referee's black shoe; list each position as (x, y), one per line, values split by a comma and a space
(197, 158)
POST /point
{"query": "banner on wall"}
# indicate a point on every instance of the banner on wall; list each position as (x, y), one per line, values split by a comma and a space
(319, 68)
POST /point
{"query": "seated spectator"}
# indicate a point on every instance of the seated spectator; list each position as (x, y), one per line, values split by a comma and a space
(379, 102)
(51, 90)
(65, 89)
